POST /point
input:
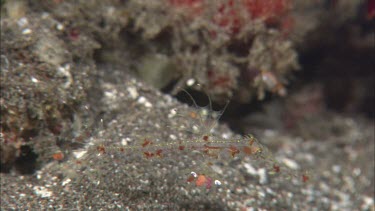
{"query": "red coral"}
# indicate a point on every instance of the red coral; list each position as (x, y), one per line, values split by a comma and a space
(268, 10)
(228, 17)
(272, 12)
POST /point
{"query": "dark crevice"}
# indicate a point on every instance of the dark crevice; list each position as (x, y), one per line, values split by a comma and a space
(26, 163)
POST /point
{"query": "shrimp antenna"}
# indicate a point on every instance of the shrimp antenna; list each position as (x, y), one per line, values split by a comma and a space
(225, 107)
(209, 101)
(190, 96)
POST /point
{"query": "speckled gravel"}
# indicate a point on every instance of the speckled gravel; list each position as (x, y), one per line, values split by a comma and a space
(340, 170)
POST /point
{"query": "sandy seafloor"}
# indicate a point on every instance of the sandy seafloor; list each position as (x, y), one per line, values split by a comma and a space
(340, 165)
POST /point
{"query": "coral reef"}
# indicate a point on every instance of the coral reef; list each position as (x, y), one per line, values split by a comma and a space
(225, 46)
(232, 48)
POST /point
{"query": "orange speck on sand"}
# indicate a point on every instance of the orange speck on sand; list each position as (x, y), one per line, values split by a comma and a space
(251, 150)
(305, 178)
(148, 154)
(191, 178)
(146, 142)
(158, 152)
(101, 149)
(58, 156)
(233, 150)
(205, 138)
(193, 115)
(247, 150)
(276, 168)
(201, 180)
